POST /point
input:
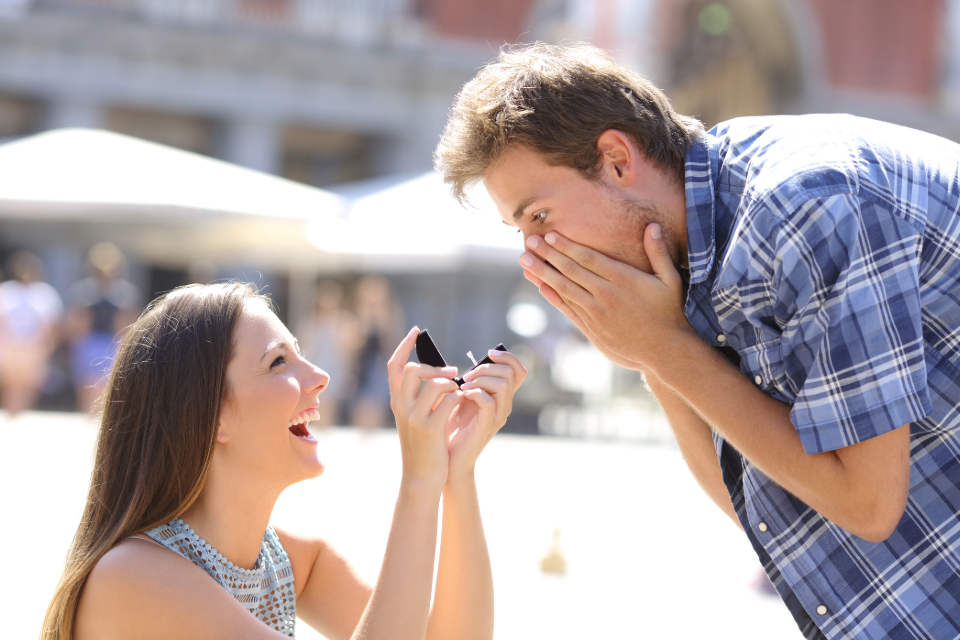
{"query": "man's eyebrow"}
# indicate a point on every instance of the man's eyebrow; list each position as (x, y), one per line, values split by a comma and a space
(526, 202)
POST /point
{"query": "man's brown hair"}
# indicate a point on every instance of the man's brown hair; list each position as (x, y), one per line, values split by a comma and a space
(556, 101)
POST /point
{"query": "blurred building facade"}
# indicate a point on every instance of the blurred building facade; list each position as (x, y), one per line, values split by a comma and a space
(328, 92)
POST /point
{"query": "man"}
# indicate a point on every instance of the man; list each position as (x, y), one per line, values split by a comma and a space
(790, 288)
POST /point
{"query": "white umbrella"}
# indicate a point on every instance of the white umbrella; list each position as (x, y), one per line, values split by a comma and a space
(175, 207)
(99, 175)
(166, 205)
(417, 222)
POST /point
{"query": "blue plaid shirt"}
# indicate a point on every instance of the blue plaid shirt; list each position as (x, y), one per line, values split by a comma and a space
(825, 251)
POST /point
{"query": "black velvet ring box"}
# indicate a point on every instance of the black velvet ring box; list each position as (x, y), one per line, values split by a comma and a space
(427, 353)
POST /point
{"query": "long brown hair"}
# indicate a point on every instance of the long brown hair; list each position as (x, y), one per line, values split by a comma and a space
(158, 427)
(556, 101)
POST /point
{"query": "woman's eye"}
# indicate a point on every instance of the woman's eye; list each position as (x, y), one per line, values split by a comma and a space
(540, 217)
(280, 360)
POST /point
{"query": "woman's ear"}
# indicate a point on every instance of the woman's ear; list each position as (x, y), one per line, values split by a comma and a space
(222, 434)
(619, 156)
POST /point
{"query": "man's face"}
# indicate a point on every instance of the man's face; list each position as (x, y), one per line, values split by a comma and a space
(536, 198)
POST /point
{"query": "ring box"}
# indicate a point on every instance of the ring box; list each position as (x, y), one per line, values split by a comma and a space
(427, 353)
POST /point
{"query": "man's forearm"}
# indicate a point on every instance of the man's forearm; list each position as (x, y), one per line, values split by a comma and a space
(696, 444)
(864, 498)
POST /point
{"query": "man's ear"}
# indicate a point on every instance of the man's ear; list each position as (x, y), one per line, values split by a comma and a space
(619, 157)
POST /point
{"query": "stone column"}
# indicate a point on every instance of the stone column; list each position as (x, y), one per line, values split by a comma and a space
(950, 89)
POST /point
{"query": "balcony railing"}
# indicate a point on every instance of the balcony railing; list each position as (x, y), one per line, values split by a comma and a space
(359, 21)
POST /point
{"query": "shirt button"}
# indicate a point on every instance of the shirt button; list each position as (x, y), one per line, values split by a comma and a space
(721, 338)
(822, 610)
(763, 527)
(758, 380)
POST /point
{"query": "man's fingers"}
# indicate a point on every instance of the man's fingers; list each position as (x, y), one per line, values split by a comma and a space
(566, 287)
(567, 255)
(532, 278)
(561, 305)
(659, 255)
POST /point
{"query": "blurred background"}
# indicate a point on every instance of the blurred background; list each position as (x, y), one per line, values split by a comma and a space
(147, 144)
(343, 101)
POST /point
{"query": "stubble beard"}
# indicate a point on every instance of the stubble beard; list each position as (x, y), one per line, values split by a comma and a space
(638, 214)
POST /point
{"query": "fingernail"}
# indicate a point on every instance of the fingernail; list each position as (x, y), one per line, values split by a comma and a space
(415, 329)
(550, 238)
(526, 260)
(452, 370)
(532, 242)
(494, 352)
(655, 231)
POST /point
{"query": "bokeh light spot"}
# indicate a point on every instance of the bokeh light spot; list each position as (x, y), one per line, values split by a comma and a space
(715, 18)
(526, 319)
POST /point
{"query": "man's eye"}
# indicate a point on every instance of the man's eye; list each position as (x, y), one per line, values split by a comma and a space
(280, 360)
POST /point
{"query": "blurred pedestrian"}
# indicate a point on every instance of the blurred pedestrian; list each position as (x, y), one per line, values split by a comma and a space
(329, 337)
(101, 307)
(30, 314)
(380, 321)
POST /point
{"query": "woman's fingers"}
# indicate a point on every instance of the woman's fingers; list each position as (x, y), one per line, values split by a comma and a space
(441, 412)
(395, 365)
(506, 366)
(426, 403)
(499, 391)
(412, 376)
(487, 407)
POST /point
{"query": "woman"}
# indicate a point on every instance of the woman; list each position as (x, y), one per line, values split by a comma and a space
(203, 426)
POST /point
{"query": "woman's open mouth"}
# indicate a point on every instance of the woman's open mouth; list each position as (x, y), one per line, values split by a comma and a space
(298, 425)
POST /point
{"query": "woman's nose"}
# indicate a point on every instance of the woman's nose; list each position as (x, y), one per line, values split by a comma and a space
(317, 380)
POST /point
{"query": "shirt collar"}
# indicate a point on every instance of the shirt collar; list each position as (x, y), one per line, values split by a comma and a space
(700, 170)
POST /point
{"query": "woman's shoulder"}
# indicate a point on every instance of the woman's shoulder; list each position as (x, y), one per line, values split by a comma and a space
(135, 587)
(303, 551)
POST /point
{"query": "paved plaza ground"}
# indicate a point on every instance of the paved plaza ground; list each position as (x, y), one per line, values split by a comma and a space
(648, 555)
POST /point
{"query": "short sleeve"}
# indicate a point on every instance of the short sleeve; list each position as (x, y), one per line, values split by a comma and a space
(848, 297)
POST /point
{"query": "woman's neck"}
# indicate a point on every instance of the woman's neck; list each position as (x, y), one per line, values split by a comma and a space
(232, 516)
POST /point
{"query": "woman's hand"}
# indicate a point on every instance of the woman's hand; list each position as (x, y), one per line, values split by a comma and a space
(422, 414)
(488, 393)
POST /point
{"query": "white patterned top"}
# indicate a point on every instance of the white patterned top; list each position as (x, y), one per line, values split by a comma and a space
(266, 591)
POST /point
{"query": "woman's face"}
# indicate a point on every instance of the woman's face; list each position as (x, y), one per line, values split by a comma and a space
(272, 395)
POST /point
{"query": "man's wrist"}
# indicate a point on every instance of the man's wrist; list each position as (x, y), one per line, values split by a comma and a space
(668, 354)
